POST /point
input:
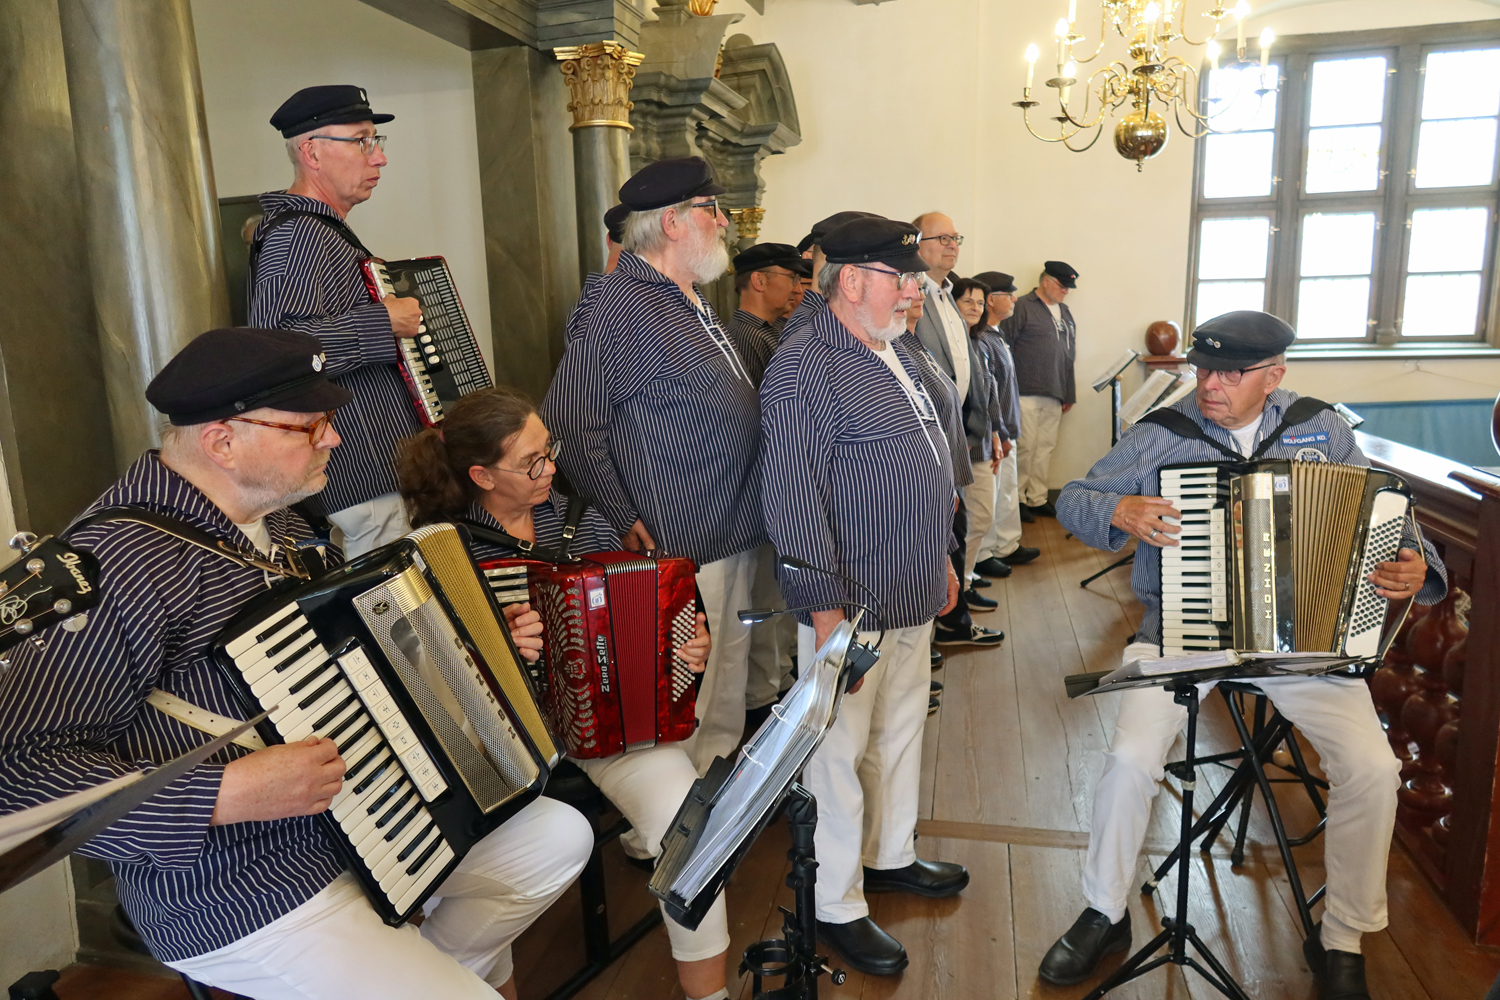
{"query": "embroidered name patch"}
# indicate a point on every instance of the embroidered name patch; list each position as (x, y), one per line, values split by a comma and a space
(1292, 440)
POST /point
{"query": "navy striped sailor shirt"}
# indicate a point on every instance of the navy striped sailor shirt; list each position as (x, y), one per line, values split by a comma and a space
(811, 304)
(579, 317)
(950, 411)
(660, 417)
(855, 481)
(1002, 366)
(755, 339)
(74, 715)
(307, 278)
(1132, 468)
(547, 518)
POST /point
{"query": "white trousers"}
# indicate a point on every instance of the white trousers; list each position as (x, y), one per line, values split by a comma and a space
(1337, 717)
(867, 771)
(334, 946)
(1004, 536)
(725, 586)
(979, 501)
(648, 787)
(1040, 418)
(371, 524)
(771, 641)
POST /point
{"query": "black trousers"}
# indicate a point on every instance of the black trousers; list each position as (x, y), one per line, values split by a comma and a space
(959, 618)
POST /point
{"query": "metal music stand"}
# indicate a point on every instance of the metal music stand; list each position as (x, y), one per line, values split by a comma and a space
(1115, 430)
(1177, 933)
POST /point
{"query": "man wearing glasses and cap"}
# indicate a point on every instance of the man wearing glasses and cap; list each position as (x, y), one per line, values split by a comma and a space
(228, 874)
(1044, 340)
(1239, 412)
(767, 277)
(853, 446)
(811, 250)
(662, 419)
(305, 275)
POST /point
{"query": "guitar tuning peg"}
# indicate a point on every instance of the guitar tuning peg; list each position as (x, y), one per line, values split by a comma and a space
(24, 626)
(35, 565)
(22, 541)
(62, 605)
(77, 622)
(39, 642)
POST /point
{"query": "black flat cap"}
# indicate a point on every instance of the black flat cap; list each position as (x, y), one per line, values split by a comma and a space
(669, 182)
(314, 107)
(764, 255)
(1064, 273)
(996, 281)
(1239, 339)
(614, 222)
(227, 372)
(871, 240)
(824, 227)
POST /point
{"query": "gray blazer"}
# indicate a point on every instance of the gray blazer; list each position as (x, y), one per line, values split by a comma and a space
(981, 409)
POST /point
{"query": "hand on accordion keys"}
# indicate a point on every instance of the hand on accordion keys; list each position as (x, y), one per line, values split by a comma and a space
(406, 315)
(695, 651)
(1146, 519)
(1400, 579)
(281, 781)
(525, 627)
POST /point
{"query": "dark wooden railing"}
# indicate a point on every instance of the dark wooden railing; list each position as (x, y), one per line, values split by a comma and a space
(1438, 690)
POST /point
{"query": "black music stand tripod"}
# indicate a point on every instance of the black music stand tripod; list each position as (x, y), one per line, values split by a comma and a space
(1176, 932)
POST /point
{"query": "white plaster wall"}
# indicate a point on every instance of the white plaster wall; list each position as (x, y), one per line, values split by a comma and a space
(906, 106)
(38, 924)
(254, 54)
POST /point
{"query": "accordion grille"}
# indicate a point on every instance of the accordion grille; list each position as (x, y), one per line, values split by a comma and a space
(448, 559)
(1326, 503)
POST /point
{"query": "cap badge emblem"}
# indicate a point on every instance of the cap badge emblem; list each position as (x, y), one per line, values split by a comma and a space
(1213, 341)
(908, 239)
(362, 96)
(317, 362)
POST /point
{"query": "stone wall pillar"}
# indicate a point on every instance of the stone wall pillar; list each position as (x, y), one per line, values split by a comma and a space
(150, 212)
(599, 76)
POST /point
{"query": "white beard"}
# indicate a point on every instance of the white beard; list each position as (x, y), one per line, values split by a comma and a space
(709, 260)
(881, 335)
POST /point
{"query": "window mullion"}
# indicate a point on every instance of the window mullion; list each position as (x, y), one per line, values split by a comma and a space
(1292, 141)
(1390, 268)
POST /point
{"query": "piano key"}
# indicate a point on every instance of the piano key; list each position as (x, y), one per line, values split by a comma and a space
(411, 889)
(385, 867)
(318, 721)
(292, 715)
(255, 664)
(352, 811)
(239, 647)
(383, 846)
(272, 684)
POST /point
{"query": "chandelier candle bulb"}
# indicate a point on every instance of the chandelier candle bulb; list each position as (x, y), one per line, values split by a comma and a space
(1061, 30)
(1266, 38)
(1072, 12)
(1031, 56)
(1241, 11)
(1069, 72)
(1214, 51)
(1153, 13)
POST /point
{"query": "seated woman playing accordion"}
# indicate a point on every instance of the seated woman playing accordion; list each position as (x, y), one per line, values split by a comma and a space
(491, 464)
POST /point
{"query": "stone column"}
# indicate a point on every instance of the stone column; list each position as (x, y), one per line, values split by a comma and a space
(150, 210)
(599, 77)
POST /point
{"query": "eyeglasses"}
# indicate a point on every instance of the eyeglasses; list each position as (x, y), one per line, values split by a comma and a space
(902, 277)
(367, 143)
(945, 240)
(1230, 377)
(712, 205)
(538, 468)
(314, 430)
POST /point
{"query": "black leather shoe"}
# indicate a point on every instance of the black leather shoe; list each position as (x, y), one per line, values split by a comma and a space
(1021, 556)
(992, 567)
(937, 687)
(933, 704)
(1341, 973)
(1027, 517)
(979, 583)
(937, 659)
(978, 602)
(974, 635)
(1076, 954)
(1045, 510)
(933, 879)
(865, 946)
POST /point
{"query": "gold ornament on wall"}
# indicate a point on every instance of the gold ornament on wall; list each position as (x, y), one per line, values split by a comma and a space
(599, 76)
(1153, 81)
(702, 8)
(747, 221)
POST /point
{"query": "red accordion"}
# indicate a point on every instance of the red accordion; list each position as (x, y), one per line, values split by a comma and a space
(612, 623)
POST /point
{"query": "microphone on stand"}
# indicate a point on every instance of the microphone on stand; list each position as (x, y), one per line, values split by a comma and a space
(860, 656)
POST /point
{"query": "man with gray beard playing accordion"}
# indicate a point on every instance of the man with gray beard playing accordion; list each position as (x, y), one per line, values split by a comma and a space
(492, 466)
(1238, 410)
(229, 874)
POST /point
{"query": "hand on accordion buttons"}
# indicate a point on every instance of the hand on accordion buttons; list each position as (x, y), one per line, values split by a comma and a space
(288, 779)
(1400, 579)
(638, 539)
(406, 315)
(525, 630)
(1145, 518)
(695, 651)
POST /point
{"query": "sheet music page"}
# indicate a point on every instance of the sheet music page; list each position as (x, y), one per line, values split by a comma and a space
(1120, 364)
(1152, 390)
(1184, 386)
(15, 828)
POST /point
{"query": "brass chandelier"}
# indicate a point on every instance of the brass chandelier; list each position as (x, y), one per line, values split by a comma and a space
(1155, 83)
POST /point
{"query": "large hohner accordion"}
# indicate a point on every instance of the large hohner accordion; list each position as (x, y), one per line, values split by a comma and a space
(612, 623)
(442, 362)
(400, 658)
(1274, 556)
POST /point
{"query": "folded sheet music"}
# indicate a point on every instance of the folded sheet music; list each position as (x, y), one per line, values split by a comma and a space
(1223, 664)
(1152, 391)
(1113, 371)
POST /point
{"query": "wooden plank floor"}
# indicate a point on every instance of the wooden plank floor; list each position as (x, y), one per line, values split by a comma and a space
(1009, 766)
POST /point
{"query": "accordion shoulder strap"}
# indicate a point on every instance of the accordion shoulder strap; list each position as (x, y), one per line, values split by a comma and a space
(282, 218)
(188, 533)
(1179, 423)
(576, 507)
(531, 550)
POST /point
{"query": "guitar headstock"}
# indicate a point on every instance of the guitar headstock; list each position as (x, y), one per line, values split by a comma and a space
(52, 582)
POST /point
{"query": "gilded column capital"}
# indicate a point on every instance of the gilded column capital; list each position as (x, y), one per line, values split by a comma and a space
(599, 76)
(747, 221)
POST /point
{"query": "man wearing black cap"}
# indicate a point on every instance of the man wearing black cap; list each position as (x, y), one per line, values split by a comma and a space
(305, 275)
(811, 250)
(1238, 411)
(767, 277)
(228, 874)
(1001, 547)
(614, 232)
(662, 419)
(1043, 338)
(853, 446)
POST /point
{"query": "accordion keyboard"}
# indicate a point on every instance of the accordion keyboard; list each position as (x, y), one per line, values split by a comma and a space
(1194, 574)
(382, 807)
